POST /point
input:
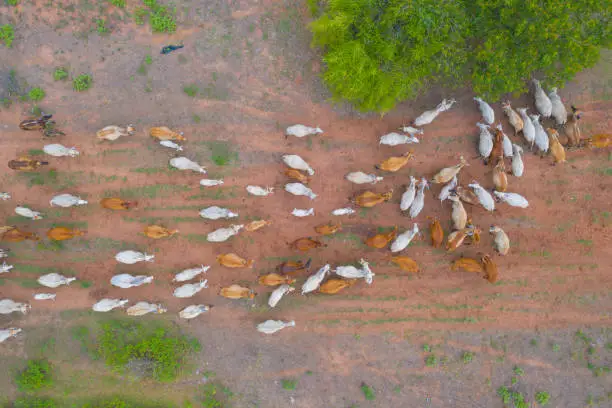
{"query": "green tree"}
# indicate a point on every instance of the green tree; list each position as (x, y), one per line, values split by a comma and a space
(380, 52)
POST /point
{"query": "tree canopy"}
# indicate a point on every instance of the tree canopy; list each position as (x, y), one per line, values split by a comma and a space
(380, 52)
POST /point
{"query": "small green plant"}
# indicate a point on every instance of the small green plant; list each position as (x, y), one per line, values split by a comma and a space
(504, 394)
(142, 69)
(101, 26)
(36, 94)
(427, 348)
(368, 392)
(36, 375)
(82, 83)
(191, 90)
(139, 15)
(289, 384)
(7, 35)
(533, 342)
(431, 361)
(467, 357)
(542, 398)
(118, 3)
(60, 74)
(556, 347)
(12, 2)
(148, 60)
(196, 118)
(518, 371)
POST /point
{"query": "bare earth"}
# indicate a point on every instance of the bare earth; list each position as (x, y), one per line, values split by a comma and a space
(256, 74)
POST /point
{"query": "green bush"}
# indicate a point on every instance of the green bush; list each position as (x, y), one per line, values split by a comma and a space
(118, 3)
(60, 74)
(12, 2)
(377, 53)
(7, 35)
(36, 94)
(542, 398)
(82, 83)
(34, 402)
(120, 342)
(35, 376)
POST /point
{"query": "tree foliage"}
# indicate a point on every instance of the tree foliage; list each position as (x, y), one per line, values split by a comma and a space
(379, 52)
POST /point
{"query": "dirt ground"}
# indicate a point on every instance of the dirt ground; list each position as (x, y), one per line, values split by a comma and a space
(256, 74)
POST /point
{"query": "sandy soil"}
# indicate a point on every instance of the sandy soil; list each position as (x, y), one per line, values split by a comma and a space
(243, 55)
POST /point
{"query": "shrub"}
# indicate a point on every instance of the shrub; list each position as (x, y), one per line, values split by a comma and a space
(121, 342)
(162, 21)
(7, 35)
(60, 74)
(36, 375)
(431, 360)
(36, 94)
(377, 53)
(12, 2)
(191, 90)
(542, 398)
(82, 83)
(289, 384)
(368, 392)
(467, 357)
(118, 3)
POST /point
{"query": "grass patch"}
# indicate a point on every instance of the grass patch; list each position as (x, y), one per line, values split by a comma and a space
(585, 242)
(35, 152)
(82, 82)
(35, 376)
(289, 384)
(153, 191)
(118, 3)
(431, 361)
(220, 193)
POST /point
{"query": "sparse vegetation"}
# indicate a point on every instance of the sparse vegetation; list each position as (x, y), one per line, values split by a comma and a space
(36, 94)
(12, 2)
(82, 82)
(118, 3)
(35, 376)
(368, 392)
(158, 351)
(60, 74)
(431, 360)
(7, 35)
